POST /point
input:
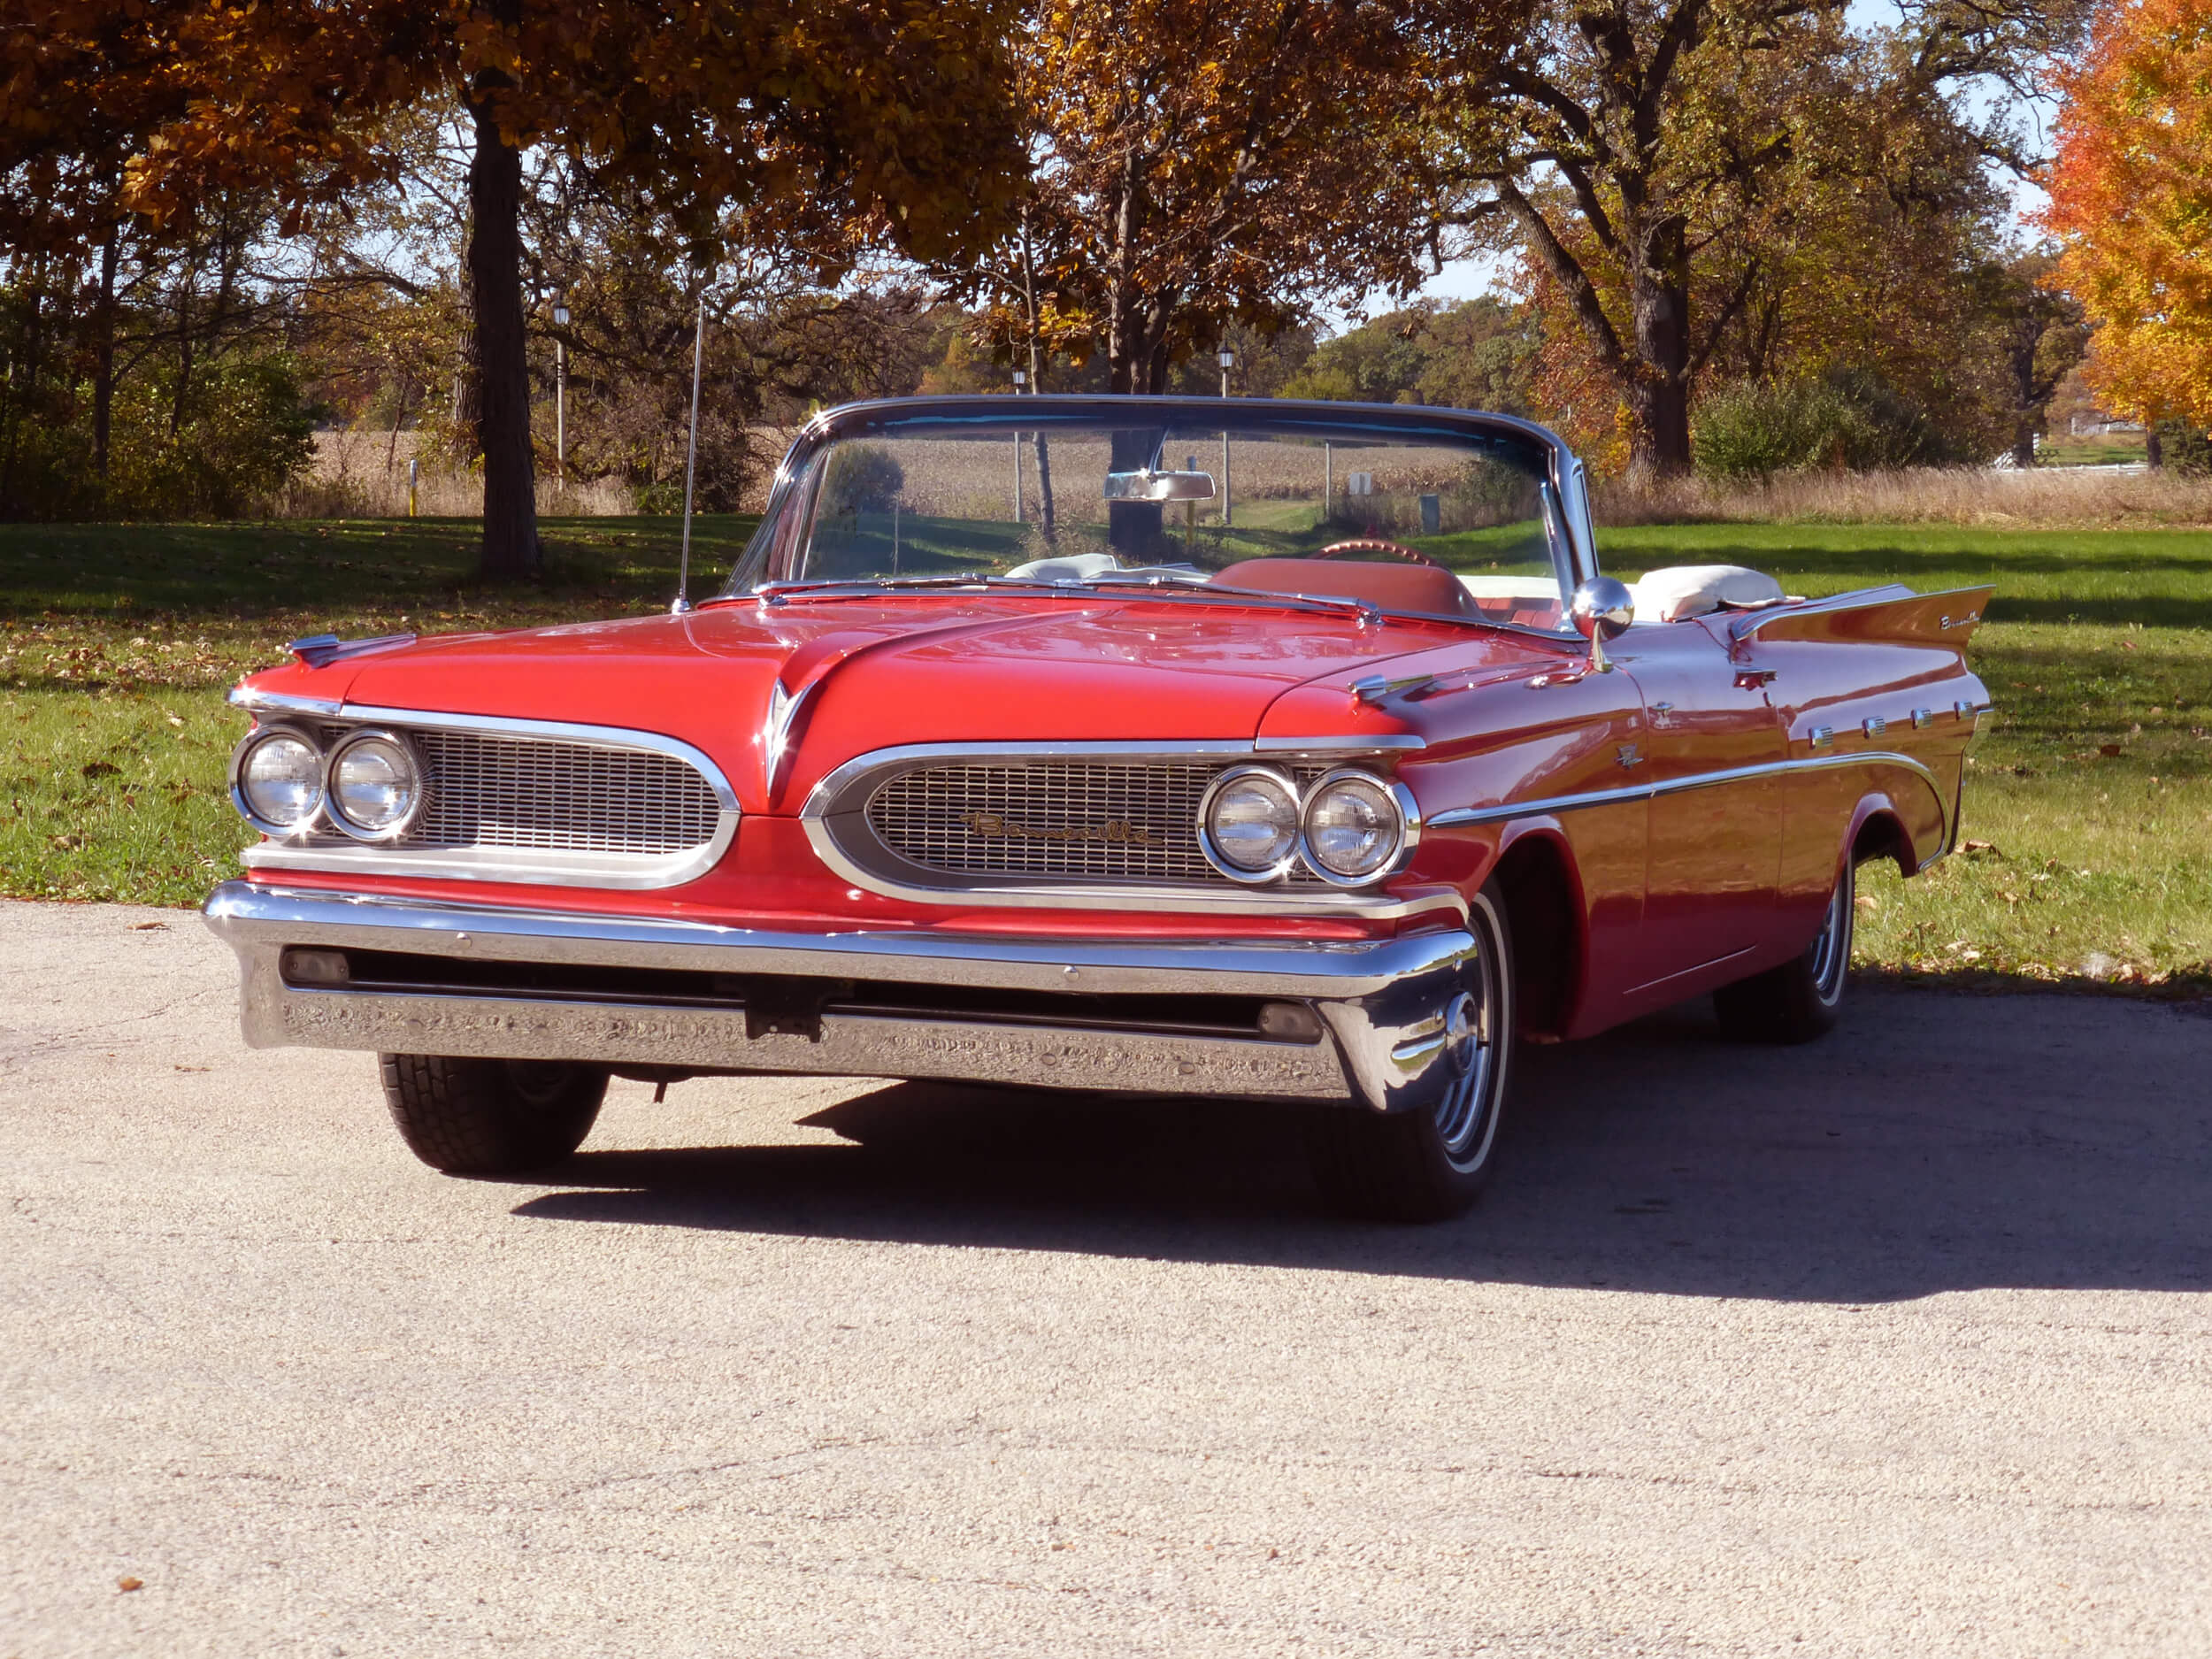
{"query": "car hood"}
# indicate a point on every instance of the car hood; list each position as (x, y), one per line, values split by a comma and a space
(855, 676)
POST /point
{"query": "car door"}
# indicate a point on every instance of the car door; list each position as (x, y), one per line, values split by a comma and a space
(1713, 853)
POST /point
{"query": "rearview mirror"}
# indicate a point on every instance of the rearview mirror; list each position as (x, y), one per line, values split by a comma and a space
(1159, 487)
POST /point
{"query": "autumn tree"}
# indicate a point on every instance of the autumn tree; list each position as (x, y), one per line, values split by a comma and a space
(1647, 157)
(888, 112)
(2131, 191)
(83, 90)
(1200, 163)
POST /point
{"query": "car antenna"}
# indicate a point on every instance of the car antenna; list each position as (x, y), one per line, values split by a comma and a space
(691, 463)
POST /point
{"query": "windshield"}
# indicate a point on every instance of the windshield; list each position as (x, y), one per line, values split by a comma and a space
(1423, 522)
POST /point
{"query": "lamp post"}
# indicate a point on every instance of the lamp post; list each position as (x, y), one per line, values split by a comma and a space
(1227, 358)
(1021, 379)
(560, 400)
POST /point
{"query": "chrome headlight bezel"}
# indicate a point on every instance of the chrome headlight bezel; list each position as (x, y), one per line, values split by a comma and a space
(1246, 874)
(259, 738)
(405, 821)
(1389, 791)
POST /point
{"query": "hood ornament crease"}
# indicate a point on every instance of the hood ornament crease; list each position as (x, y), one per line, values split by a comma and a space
(775, 727)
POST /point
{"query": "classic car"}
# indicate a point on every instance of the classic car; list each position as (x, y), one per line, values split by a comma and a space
(1296, 753)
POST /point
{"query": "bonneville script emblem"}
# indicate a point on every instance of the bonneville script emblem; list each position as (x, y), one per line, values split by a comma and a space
(997, 826)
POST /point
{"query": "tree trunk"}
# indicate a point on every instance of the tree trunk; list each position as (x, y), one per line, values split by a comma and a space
(511, 551)
(1124, 306)
(103, 356)
(185, 296)
(2154, 452)
(1659, 394)
(23, 375)
(1046, 514)
(2023, 446)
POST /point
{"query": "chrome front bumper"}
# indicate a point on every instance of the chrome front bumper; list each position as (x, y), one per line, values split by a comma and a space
(1380, 1003)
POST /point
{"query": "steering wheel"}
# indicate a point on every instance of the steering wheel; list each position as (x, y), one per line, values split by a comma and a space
(1376, 544)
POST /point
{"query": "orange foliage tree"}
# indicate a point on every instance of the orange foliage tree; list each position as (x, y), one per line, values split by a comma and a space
(2130, 195)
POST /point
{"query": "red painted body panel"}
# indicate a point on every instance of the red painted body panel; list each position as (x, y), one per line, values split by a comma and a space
(1674, 893)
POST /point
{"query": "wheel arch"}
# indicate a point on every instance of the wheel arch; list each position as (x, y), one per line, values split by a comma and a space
(1879, 832)
(1544, 912)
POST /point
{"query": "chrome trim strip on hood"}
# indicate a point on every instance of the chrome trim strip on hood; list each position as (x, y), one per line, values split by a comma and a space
(1458, 816)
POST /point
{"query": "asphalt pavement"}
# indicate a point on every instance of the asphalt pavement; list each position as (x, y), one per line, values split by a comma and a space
(1895, 1345)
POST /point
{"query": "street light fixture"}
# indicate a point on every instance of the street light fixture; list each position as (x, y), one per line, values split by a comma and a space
(1227, 358)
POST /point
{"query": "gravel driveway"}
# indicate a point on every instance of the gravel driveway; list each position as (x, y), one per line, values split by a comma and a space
(1892, 1346)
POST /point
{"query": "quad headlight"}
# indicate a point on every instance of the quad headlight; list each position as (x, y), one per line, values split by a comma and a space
(277, 781)
(1349, 827)
(1249, 824)
(376, 786)
(1354, 826)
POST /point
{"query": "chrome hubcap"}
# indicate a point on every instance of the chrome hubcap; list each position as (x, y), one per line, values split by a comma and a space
(1831, 949)
(1467, 1115)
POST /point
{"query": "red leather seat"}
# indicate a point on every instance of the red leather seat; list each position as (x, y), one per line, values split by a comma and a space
(1394, 587)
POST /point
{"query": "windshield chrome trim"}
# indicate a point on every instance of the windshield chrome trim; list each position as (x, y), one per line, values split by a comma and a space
(1112, 589)
(848, 781)
(1379, 422)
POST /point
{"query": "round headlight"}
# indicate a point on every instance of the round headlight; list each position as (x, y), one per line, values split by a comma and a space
(1355, 827)
(375, 785)
(279, 778)
(1249, 823)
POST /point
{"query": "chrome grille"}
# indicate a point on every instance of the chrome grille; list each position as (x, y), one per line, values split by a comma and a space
(545, 795)
(1097, 820)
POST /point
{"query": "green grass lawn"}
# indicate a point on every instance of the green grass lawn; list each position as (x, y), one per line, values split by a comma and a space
(2089, 811)
(116, 642)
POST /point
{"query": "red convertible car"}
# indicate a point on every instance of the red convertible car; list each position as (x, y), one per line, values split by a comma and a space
(1080, 742)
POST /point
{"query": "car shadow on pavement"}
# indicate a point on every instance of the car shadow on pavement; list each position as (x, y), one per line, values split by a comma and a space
(1933, 1143)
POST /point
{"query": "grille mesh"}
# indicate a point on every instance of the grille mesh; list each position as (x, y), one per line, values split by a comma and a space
(1107, 820)
(545, 795)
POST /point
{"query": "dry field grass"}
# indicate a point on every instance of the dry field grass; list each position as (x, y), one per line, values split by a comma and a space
(360, 474)
(2052, 497)
(975, 479)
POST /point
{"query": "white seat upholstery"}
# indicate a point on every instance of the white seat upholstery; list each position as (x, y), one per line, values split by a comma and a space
(1698, 591)
(1072, 567)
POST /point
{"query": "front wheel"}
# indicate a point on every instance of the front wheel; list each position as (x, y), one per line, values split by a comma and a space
(1429, 1166)
(1799, 1000)
(491, 1116)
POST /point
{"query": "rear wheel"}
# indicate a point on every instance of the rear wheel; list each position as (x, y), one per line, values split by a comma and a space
(1799, 1000)
(1430, 1166)
(491, 1116)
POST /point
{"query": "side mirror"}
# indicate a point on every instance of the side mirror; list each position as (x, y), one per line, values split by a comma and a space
(1602, 609)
